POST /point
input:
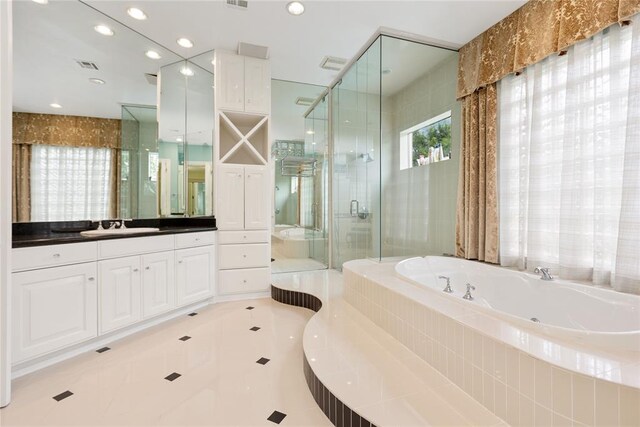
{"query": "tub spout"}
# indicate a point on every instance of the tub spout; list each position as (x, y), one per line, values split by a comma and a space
(467, 295)
(447, 288)
(544, 273)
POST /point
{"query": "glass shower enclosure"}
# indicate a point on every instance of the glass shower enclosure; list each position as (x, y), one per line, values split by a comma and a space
(395, 141)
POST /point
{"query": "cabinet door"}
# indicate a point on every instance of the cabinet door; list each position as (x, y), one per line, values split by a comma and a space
(119, 293)
(257, 85)
(194, 274)
(256, 198)
(230, 198)
(53, 308)
(158, 283)
(230, 81)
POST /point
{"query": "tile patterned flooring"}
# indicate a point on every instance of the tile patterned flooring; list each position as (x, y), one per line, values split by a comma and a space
(214, 370)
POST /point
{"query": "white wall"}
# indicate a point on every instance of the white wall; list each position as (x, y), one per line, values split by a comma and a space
(419, 204)
(5, 198)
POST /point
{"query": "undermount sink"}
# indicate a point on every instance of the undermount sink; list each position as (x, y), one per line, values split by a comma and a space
(118, 231)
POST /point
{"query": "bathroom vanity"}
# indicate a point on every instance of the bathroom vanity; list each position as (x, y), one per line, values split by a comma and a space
(69, 289)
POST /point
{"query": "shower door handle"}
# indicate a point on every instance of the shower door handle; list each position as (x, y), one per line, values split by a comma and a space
(352, 211)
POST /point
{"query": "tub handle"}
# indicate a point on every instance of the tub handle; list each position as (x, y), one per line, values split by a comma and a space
(467, 295)
(447, 288)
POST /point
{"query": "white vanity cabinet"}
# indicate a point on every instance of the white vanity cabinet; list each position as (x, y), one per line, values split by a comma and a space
(53, 308)
(119, 293)
(242, 83)
(71, 293)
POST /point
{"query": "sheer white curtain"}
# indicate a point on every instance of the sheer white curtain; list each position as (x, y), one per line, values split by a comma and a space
(570, 162)
(70, 183)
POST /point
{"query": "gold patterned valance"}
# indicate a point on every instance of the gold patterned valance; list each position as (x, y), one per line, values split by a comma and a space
(71, 131)
(533, 32)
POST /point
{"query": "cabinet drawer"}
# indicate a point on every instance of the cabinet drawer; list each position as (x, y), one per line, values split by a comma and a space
(190, 240)
(253, 236)
(136, 246)
(244, 256)
(54, 255)
(244, 281)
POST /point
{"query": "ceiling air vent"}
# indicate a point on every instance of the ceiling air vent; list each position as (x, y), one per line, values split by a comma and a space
(306, 102)
(332, 63)
(152, 79)
(238, 4)
(87, 64)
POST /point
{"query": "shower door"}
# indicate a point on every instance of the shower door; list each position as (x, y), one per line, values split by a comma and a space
(356, 161)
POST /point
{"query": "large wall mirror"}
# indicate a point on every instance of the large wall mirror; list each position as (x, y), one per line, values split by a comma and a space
(107, 123)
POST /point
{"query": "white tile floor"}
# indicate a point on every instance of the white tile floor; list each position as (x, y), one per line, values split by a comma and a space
(220, 384)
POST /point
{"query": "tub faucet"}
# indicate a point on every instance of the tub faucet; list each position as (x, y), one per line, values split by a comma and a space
(467, 295)
(545, 273)
(447, 288)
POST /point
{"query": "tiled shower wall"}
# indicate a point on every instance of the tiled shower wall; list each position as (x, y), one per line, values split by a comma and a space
(517, 387)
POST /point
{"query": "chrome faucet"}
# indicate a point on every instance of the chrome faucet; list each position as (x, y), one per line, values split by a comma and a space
(114, 224)
(467, 295)
(447, 288)
(544, 271)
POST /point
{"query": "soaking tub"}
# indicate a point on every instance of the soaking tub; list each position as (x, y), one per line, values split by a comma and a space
(558, 308)
(291, 242)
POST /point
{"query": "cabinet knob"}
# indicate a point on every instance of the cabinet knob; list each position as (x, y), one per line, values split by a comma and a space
(147, 268)
(197, 239)
(244, 256)
(56, 255)
(180, 262)
(91, 279)
(244, 281)
(245, 236)
(135, 270)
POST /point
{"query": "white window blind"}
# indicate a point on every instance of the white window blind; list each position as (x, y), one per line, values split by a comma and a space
(70, 183)
(570, 162)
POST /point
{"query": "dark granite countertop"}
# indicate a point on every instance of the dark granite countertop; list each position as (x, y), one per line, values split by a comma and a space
(56, 233)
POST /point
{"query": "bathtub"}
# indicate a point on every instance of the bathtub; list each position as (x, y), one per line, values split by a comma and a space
(291, 241)
(585, 314)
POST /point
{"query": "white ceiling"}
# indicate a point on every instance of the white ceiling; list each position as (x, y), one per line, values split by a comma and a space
(298, 43)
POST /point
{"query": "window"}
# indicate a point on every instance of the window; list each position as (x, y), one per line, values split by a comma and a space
(569, 163)
(426, 143)
(70, 183)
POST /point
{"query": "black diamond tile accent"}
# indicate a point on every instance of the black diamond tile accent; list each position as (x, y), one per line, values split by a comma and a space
(103, 349)
(62, 396)
(263, 361)
(193, 314)
(276, 417)
(173, 376)
(255, 328)
(185, 338)
(273, 259)
(250, 308)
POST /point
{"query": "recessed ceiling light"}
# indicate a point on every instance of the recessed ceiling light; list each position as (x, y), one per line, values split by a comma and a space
(178, 139)
(186, 71)
(54, 105)
(152, 54)
(295, 8)
(136, 13)
(185, 42)
(313, 143)
(310, 132)
(104, 30)
(97, 81)
(41, 1)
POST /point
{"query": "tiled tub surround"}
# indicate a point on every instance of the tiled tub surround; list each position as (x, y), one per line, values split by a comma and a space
(350, 360)
(522, 377)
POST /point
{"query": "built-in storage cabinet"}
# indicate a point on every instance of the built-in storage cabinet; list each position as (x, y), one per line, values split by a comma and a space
(244, 261)
(243, 198)
(56, 306)
(195, 271)
(242, 83)
(53, 308)
(120, 293)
